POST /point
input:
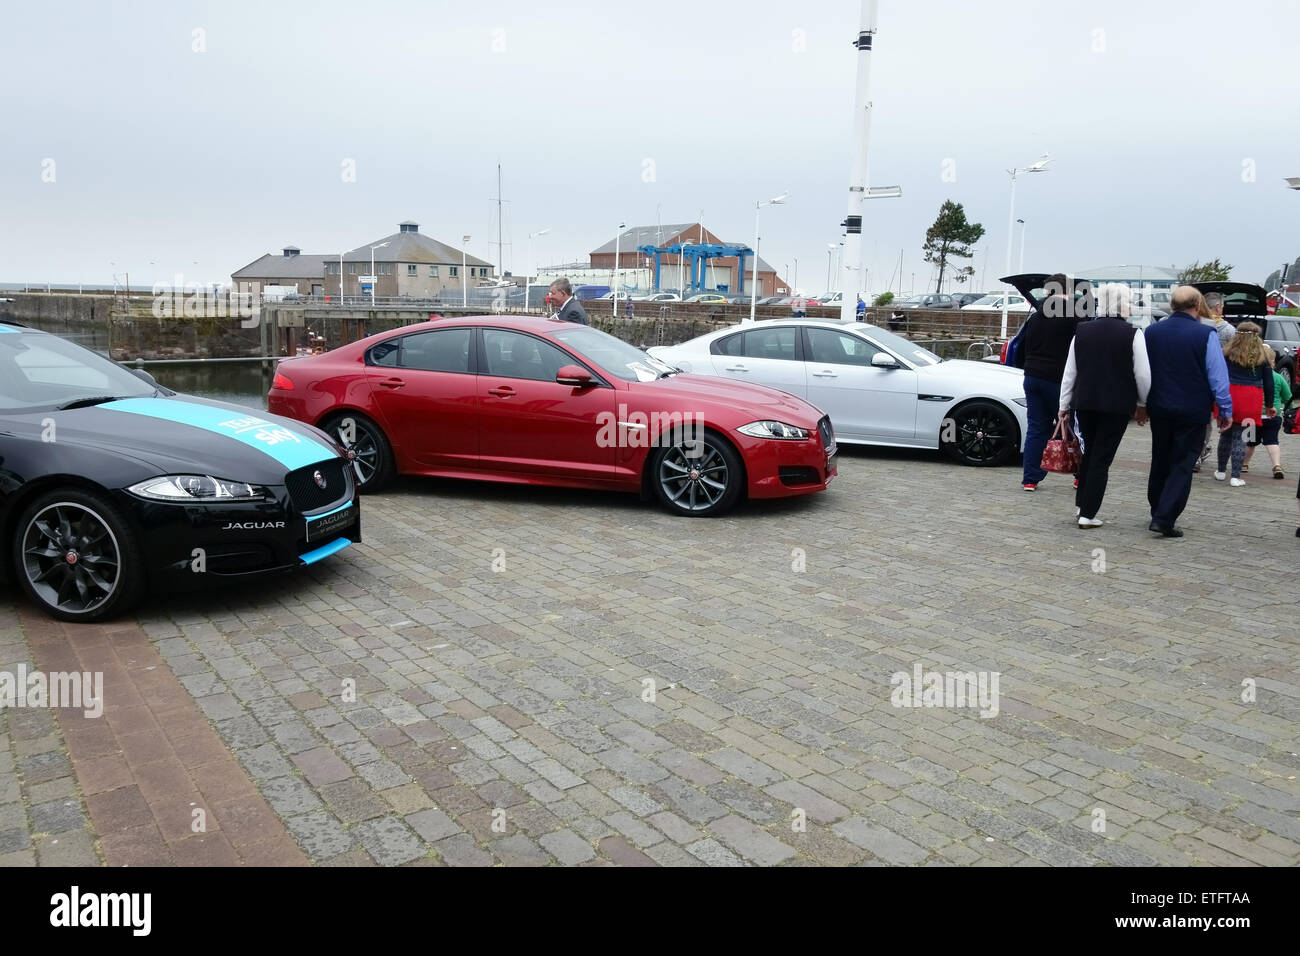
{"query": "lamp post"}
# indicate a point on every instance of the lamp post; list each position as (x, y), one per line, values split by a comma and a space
(464, 289)
(617, 237)
(1037, 167)
(374, 279)
(1023, 229)
(753, 293)
(528, 284)
(340, 278)
(830, 252)
(795, 284)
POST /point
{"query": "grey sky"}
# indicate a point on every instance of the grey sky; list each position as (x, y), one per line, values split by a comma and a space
(167, 155)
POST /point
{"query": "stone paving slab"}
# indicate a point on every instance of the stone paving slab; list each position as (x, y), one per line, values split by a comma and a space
(522, 676)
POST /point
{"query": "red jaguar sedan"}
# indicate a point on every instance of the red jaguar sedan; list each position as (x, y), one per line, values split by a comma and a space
(539, 401)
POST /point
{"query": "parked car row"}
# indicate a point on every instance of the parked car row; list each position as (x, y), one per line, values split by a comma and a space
(113, 486)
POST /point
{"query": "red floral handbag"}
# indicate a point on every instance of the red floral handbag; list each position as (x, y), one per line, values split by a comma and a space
(1062, 453)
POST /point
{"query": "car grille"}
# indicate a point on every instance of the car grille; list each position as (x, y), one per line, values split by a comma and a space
(308, 496)
(824, 430)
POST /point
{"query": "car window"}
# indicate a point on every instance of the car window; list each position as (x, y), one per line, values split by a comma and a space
(516, 355)
(385, 353)
(778, 343)
(1281, 329)
(446, 350)
(839, 348)
(729, 345)
(44, 366)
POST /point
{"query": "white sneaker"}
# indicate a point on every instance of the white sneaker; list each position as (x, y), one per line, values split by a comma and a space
(1236, 482)
(1090, 522)
(1220, 475)
(1077, 512)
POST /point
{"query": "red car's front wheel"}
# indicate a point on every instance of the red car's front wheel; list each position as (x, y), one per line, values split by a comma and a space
(697, 476)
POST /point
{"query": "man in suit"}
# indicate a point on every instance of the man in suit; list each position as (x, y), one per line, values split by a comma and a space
(567, 308)
(1188, 373)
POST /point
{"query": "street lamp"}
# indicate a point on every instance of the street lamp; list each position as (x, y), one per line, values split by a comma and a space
(528, 284)
(374, 279)
(1023, 229)
(753, 294)
(1037, 167)
(830, 253)
(795, 283)
(617, 236)
(464, 289)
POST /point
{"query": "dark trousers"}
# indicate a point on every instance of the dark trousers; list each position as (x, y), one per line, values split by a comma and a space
(1043, 400)
(1175, 448)
(1102, 433)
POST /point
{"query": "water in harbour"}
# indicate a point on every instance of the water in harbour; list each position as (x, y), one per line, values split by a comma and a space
(242, 383)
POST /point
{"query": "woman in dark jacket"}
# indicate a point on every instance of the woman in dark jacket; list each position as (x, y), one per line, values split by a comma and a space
(1046, 345)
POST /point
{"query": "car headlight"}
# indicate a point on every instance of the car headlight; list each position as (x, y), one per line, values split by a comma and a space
(1021, 401)
(768, 429)
(197, 488)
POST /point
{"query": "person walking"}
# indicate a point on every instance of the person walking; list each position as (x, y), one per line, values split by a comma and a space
(1271, 428)
(1250, 381)
(1210, 311)
(1106, 381)
(1188, 372)
(1045, 344)
(567, 308)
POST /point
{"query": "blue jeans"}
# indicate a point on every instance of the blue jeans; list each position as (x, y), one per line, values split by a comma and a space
(1044, 399)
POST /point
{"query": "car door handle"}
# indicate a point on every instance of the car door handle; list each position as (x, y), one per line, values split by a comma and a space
(824, 373)
(502, 391)
(737, 368)
(392, 383)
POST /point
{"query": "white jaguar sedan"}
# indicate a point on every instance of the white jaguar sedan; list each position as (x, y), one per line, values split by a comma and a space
(877, 387)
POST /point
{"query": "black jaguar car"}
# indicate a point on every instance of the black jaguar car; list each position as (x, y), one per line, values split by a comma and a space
(112, 486)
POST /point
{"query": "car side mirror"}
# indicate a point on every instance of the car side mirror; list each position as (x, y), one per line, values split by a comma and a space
(143, 375)
(574, 375)
(882, 360)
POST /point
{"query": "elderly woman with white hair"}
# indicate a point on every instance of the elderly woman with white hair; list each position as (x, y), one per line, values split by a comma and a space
(1107, 377)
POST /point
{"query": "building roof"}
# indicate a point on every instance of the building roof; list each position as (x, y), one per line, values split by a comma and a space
(283, 267)
(1129, 273)
(408, 245)
(659, 235)
(629, 239)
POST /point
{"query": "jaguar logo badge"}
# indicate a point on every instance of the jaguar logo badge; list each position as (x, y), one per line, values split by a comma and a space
(320, 479)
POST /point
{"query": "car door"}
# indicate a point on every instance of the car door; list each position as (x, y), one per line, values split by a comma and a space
(769, 355)
(531, 425)
(864, 402)
(423, 387)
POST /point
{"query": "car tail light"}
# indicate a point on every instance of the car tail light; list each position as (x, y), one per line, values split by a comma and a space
(282, 382)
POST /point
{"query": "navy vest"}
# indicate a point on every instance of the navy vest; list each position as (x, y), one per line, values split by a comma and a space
(1180, 385)
(1103, 361)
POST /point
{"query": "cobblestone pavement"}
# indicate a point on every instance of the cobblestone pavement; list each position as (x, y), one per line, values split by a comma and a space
(473, 684)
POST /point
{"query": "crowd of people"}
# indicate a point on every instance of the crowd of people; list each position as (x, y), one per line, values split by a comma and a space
(1096, 374)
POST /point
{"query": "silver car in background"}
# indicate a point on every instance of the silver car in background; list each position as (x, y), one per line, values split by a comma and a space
(878, 387)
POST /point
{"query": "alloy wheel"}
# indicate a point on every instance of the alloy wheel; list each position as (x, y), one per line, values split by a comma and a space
(71, 557)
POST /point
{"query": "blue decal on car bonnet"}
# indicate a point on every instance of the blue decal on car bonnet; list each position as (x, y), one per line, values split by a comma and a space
(290, 448)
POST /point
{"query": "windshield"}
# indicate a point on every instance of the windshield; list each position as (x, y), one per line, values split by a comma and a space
(44, 371)
(613, 355)
(988, 300)
(901, 346)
